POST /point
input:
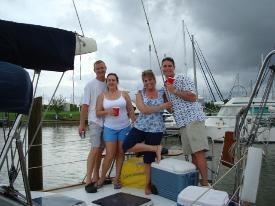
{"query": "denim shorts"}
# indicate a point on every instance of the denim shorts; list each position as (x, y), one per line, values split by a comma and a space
(112, 135)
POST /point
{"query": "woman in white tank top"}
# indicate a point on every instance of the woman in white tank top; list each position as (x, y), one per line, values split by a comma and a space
(116, 108)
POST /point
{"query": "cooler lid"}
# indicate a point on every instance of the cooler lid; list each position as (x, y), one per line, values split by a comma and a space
(210, 198)
(175, 166)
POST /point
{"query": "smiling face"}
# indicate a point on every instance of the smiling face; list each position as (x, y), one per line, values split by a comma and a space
(149, 80)
(112, 81)
(100, 70)
(168, 68)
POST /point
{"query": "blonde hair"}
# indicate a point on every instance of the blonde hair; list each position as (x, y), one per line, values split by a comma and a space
(148, 73)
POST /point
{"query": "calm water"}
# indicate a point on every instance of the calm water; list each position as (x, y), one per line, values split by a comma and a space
(64, 162)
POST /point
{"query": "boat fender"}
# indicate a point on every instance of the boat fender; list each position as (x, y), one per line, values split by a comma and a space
(252, 171)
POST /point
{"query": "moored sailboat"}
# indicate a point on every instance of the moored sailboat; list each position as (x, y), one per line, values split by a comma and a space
(78, 194)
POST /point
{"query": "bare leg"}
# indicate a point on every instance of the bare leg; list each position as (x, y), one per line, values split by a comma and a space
(98, 158)
(119, 162)
(147, 171)
(198, 158)
(111, 148)
(91, 161)
(141, 147)
(158, 153)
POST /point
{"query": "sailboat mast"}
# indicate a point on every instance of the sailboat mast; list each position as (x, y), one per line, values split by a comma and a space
(194, 64)
(150, 57)
(184, 49)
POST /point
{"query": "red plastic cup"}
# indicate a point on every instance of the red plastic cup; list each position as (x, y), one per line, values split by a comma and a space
(116, 111)
(170, 80)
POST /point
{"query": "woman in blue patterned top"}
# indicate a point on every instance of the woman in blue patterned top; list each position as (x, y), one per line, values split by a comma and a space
(148, 129)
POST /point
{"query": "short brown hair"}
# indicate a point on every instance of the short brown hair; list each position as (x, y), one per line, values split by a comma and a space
(170, 59)
(98, 62)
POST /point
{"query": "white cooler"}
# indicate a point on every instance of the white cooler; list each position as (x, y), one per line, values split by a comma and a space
(210, 198)
(171, 176)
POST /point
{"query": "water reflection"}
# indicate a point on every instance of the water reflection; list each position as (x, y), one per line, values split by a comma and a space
(62, 144)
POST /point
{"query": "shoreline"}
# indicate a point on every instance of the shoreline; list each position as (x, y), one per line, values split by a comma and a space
(47, 122)
(60, 122)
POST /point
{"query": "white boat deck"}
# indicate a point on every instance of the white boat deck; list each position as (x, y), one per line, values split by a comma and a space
(78, 192)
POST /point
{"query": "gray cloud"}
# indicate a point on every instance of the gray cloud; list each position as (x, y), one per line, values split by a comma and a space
(232, 34)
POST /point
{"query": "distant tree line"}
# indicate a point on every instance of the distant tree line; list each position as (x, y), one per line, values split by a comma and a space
(58, 105)
(211, 109)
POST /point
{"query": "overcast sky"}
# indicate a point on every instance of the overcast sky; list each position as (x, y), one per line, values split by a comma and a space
(232, 36)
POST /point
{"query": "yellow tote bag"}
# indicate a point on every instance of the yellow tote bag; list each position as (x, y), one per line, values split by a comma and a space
(132, 174)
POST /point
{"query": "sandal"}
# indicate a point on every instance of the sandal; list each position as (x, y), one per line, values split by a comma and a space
(99, 186)
(117, 184)
(91, 187)
(154, 190)
(100, 183)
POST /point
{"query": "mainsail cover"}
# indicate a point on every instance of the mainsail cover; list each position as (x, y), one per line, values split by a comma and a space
(37, 47)
(16, 89)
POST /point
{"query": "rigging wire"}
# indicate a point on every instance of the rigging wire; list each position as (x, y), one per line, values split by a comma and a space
(152, 38)
(197, 54)
(205, 79)
(204, 66)
(222, 177)
(209, 72)
(78, 18)
(155, 49)
(79, 22)
(204, 75)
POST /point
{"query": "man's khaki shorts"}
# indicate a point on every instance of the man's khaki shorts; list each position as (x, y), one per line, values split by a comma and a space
(193, 138)
(96, 137)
